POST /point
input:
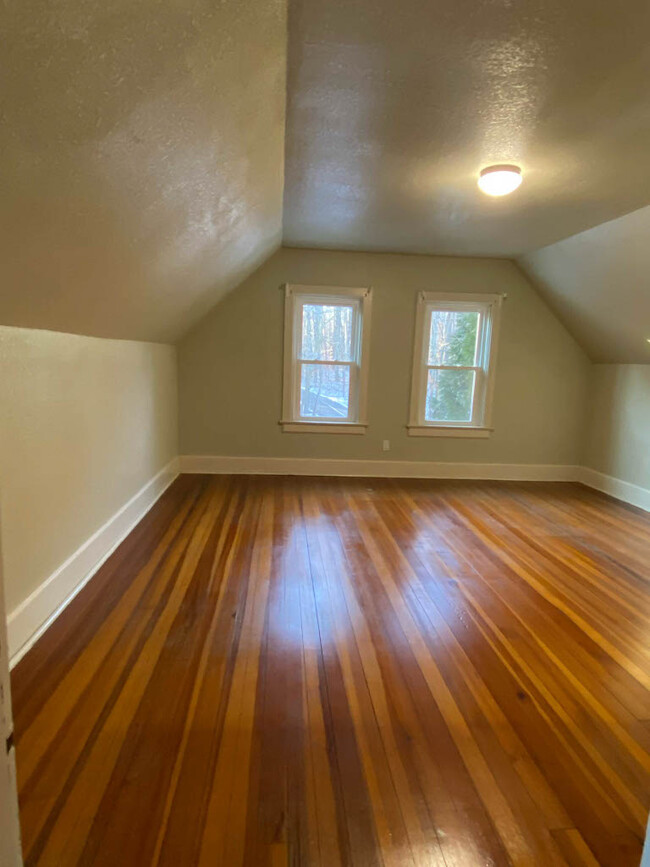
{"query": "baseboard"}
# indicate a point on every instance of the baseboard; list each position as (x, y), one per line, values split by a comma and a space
(626, 491)
(215, 464)
(30, 619)
(27, 622)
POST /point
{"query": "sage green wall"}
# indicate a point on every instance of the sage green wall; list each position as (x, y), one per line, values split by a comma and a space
(86, 422)
(230, 365)
(618, 429)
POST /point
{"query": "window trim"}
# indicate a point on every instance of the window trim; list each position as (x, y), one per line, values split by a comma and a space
(480, 425)
(297, 295)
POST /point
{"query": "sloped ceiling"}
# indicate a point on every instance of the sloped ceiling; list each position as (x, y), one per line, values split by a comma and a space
(393, 108)
(143, 150)
(142, 159)
(598, 282)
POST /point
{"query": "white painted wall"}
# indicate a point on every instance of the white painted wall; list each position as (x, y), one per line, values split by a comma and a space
(10, 851)
(86, 422)
(599, 283)
(230, 366)
(617, 441)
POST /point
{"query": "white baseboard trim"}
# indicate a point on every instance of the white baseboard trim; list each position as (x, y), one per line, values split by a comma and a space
(626, 491)
(223, 465)
(27, 622)
(214, 464)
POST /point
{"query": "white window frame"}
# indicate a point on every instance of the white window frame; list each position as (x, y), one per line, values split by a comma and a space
(296, 296)
(489, 308)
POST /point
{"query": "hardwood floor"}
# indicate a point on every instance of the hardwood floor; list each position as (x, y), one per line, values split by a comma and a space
(299, 671)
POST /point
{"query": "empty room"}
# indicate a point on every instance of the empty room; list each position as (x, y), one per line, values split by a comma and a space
(325, 433)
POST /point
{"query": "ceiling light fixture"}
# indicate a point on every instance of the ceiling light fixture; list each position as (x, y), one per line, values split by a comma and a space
(499, 180)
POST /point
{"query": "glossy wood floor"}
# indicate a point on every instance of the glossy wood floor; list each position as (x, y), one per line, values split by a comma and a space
(277, 671)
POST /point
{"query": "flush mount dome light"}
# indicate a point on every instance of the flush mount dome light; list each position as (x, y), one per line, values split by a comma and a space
(499, 180)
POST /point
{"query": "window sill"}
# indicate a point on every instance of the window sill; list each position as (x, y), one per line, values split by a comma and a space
(417, 430)
(337, 427)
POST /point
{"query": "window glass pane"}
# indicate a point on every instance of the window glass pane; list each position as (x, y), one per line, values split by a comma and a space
(327, 332)
(324, 391)
(449, 395)
(453, 338)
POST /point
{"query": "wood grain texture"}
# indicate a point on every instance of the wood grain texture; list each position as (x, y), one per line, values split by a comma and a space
(295, 671)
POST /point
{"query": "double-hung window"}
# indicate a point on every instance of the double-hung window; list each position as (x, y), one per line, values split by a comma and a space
(453, 364)
(326, 346)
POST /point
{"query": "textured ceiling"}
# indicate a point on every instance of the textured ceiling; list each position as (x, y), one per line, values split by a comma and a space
(143, 149)
(599, 284)
(394, 108)
(142, 159)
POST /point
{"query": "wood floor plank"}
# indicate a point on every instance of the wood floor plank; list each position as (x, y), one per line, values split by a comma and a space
(321, 672)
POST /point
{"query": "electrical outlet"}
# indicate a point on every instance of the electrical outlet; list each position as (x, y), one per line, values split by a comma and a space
(385, 446)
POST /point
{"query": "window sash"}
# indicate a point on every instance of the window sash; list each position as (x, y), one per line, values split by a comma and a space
(347, 298)
(476, 396)
(298, 361)
(324, 301)
(332, 363)
(451, 367)
(485, 307)
(352, 390)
